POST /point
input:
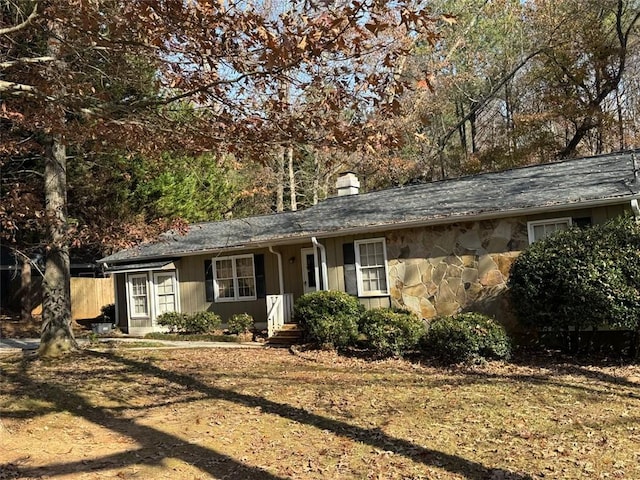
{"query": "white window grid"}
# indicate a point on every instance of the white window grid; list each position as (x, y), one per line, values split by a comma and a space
(234, 278)
(539, 229)
(166, 299)
(139, 295)
(371, 267)
(152, 295)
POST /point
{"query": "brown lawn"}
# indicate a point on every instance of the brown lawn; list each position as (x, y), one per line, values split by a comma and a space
(269, 414)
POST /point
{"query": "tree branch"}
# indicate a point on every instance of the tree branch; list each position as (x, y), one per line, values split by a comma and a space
(16, 88)
(482, 103)
(23, 60)
(20, 26)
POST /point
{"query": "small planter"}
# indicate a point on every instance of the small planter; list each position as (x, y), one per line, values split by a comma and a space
(101, 327)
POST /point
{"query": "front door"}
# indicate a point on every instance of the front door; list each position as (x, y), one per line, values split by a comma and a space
(308, 270)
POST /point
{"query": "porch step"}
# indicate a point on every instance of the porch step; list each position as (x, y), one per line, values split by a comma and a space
(289, 334)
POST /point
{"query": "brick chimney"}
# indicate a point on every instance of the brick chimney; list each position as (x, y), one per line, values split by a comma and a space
(348, 184)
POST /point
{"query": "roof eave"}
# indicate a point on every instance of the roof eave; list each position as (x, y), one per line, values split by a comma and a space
(424, 222)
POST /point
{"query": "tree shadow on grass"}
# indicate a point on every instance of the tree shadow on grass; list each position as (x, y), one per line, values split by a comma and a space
(559, 365)
(153, 442)
(209, 460)
(575, 368)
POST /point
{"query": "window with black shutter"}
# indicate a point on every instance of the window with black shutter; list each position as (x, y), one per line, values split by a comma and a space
(261, 281)
(349, 261)
(208, 280)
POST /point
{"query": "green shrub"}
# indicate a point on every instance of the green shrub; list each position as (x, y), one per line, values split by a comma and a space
(580, 278)
(174, 321)
(202, 322)
(240, 323)
(467, 336)
(195, 323)
(328, 318)
(391, 332)
(108, 313)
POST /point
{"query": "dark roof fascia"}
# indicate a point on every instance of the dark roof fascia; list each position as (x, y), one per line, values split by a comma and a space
(139, 265)
(214, 251)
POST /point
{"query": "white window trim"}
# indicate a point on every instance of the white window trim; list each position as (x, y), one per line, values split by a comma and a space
(130, 305)
(547, 221)
(152, 293)
(374, 293)
(174, 281)
(236, 298)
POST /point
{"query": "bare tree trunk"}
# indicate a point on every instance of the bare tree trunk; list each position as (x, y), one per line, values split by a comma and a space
(57, 336)
(25, 291)
(621, 142)
(292, 180)
(474, 130)
(280, 180)
(316, 176)
(600, 138)
(463, 129)
(511, 140)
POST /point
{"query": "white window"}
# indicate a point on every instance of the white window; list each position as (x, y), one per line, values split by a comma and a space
(234, 278)
(138, 295)
(149, 299)
(166, 298)
(371, 267)
(543, 228)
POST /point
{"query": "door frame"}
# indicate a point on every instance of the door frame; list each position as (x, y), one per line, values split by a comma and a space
(304, 253)
(176, 297)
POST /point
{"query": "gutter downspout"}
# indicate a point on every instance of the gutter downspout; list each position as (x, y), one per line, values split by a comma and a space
(635, 208)
(280, 274)
(323, 260)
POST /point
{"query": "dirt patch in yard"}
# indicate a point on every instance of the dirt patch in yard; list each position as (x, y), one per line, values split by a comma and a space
(268, 414)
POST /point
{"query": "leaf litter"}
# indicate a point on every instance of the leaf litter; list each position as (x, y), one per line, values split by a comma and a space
(270, 414)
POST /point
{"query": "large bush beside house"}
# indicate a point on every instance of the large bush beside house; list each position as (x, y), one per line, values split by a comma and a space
(329, 318)
(390, 332)
(580, 278)
(466, 337)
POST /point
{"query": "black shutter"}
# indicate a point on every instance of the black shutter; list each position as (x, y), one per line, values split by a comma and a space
(348, 254)
(349, 262)
(208, 280)
(261, 281)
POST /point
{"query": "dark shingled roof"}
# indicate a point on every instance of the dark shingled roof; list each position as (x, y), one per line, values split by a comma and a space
(592, 180)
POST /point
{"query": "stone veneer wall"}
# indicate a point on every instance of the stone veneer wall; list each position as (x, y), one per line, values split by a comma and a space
(445, 269)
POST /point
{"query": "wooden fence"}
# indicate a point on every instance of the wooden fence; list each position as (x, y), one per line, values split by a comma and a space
(88, 296)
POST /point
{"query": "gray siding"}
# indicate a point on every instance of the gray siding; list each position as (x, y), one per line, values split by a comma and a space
(192, 283)
(335, 267)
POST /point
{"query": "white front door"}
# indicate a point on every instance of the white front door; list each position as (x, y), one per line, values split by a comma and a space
(308, 270)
